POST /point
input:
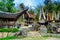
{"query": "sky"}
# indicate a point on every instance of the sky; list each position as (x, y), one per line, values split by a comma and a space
(30, 3)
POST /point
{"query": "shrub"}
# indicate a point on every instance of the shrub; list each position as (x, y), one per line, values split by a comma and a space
(6, 30)
(14, 30)
(9, 30)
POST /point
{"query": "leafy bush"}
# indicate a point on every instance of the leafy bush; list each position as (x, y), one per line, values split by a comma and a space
(14, 30)
(1, 30)
(9, 30)
(5, 30)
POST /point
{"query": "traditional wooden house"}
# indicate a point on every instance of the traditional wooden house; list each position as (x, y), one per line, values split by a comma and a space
(10, 18)
(29, 18)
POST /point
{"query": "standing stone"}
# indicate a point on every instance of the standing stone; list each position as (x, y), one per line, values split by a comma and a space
(53, 27)
(24, 31)
(31, 27)
(43, 29)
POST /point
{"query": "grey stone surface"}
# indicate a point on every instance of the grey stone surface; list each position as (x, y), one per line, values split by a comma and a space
(11, 34)
(31, 27)
(5, 34)
(43, 29)
(24, 31)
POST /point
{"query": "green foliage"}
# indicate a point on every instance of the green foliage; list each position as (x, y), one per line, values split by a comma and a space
(9, 30)
(47, 2)
(38, 13)
(24, 38)
(37, 16)
(48, 5)
(2, 6)
(22, 6)
(57, 5)
(13, 10)
(14, 30)
(52, 6)
(31, 11)
(5, 30)
(7, 6)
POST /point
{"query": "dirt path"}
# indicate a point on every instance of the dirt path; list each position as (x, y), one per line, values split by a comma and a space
(53, 39)
(37, 34)
(34, 34)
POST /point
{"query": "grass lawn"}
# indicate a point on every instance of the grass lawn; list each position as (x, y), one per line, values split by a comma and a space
(27, 38)
(34, 38)
(24, 38)
(52, 36)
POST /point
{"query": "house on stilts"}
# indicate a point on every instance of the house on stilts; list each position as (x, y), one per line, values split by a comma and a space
(10, 19)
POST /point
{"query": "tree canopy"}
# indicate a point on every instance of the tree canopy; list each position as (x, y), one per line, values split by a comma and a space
(48, 5)
(7, 6)
(52, 6)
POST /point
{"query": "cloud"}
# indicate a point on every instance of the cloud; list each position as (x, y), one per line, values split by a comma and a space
(29, 3)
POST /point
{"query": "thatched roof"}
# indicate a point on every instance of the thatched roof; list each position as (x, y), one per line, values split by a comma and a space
(11, 16)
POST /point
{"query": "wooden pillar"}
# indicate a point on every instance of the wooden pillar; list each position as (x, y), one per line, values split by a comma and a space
(7, 22)
(48, 16)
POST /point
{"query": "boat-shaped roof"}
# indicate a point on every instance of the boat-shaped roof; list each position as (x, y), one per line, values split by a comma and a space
(11, 16)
